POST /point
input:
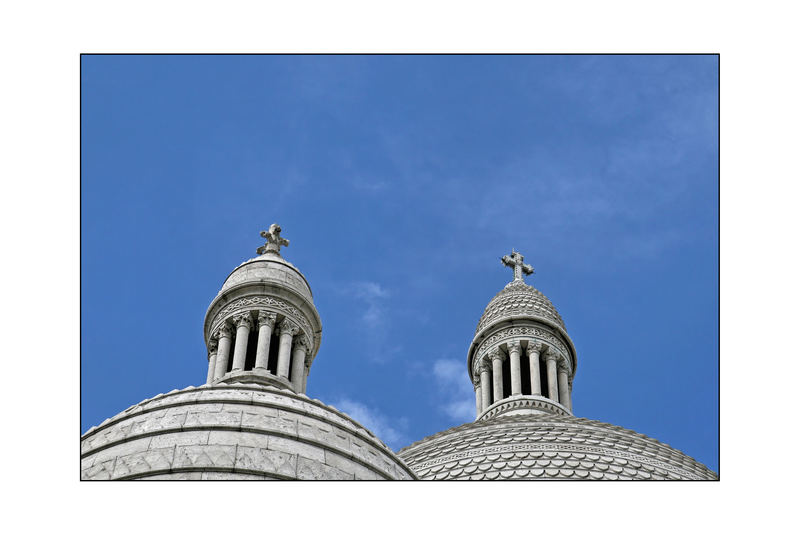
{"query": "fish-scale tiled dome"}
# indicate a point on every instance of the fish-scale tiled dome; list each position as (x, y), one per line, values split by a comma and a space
(547, 447)
(520, 299)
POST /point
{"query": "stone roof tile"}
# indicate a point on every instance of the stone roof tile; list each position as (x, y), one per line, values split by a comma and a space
(552, 448)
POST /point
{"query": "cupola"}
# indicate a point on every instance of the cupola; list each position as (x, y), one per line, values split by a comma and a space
(521, 359)
(263, 327)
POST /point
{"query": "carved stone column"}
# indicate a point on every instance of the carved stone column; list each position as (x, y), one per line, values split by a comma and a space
(486, 387)
(287, 329)
(570, 393)
(223, 350)
(563, 385)
(306, 371)
(497, 373)
(243, 324)
(212, 359)
(534, 349)
(266, 322)
(552, 380)
(516, 380)
(476, 384)
(299, 362)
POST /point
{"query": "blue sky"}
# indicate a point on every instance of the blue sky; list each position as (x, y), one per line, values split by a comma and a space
(400, 181)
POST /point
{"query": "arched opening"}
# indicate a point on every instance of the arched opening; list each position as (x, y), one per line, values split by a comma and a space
(272, 360)
(506, 376)
(525, 372)
(252, 347)
(543, 378)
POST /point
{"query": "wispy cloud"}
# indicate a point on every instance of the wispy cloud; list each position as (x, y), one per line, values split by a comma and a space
(388, 430)
(374, 317)
(452, 380)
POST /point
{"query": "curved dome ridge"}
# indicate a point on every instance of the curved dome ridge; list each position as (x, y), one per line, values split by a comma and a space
(519, 299)
(269, 268)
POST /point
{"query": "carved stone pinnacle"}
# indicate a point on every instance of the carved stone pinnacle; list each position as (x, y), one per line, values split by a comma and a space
(274, 241)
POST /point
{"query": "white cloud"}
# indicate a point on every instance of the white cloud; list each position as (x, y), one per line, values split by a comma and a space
(452, 380)
(375, 421)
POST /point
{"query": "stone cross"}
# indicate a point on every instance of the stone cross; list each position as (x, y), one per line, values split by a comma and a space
(514, 260)
(274, 240)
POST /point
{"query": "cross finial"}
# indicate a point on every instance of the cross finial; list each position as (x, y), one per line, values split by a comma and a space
(514, 260)
(274, 241)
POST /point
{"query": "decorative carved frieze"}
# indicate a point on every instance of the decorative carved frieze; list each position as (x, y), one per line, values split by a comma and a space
(534, 332)
(255, 302)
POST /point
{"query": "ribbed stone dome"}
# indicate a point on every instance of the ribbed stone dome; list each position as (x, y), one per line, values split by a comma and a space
(269, 268)
(518, 299)
(547, 447)
(235, 431)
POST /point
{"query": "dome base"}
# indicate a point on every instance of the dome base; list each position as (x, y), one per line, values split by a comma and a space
(519, 405)
(257, 376)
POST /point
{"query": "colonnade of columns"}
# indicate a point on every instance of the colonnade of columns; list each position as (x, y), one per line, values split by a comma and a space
(293, 347)
(488, 382)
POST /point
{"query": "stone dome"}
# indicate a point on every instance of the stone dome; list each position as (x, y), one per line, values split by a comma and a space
(547, 446)
(235, 431)
(518, 299)
(269, 268)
